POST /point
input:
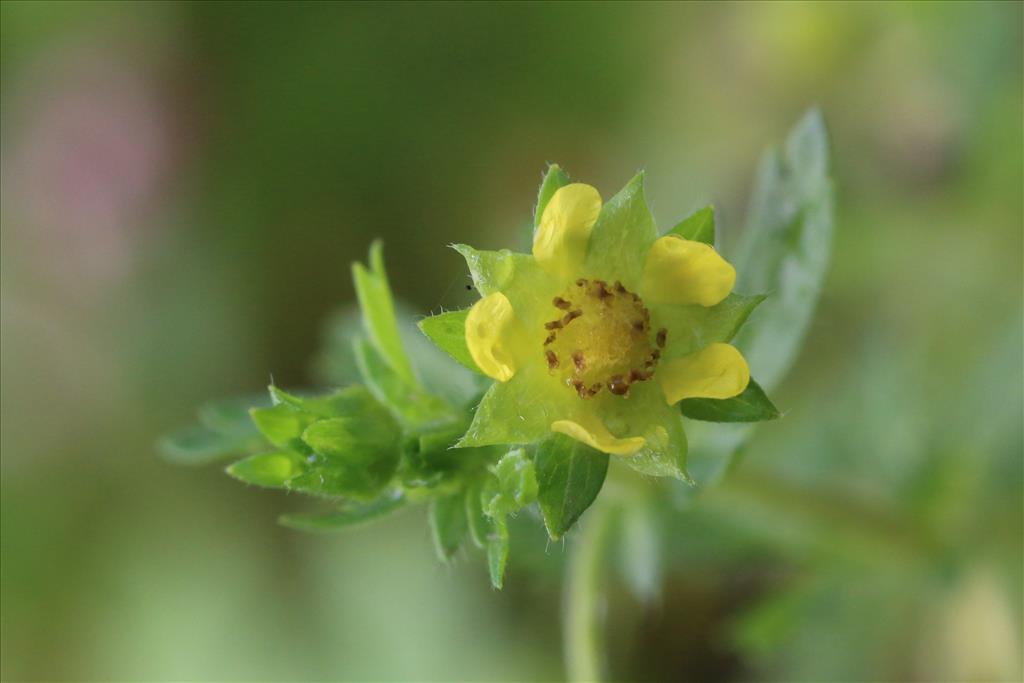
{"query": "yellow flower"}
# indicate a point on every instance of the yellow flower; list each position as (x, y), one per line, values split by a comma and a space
(600, 331)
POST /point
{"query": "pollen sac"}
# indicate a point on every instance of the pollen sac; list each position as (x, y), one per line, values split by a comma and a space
(600, 337)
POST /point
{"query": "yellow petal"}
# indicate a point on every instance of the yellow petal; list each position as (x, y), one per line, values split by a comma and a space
(560, 244)
(680, 271)
(489, 336)
(716, 371)
(592, 432)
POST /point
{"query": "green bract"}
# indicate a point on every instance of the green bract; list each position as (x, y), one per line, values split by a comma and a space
(424, 427)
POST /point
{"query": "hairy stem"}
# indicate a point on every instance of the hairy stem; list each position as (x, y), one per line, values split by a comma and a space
(582, 630)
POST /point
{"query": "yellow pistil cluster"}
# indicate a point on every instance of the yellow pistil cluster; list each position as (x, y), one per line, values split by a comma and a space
(601, 339)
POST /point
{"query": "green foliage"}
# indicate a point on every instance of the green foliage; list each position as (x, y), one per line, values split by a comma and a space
(785, 250)
(448, 331)
(411, 426)
(269, 470)
(448, 524)
(699, 226)
(554, 179)
(345, 516)
(378, 309)
(569, 477)
(753, 405)
(512, 487)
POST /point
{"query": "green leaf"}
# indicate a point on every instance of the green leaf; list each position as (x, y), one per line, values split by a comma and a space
(786, 246)
(513, 486)
(479, 526)
(569, 477)
(346, 517)
(231, 416)
(750, 406)
(448, 524)
(699, 226)
(282, 425)
(448, 332)
(497, 551)
(623, 235)
(269, 470)
(357, 455)
(412, 406)
(199, 445)
(785, 250)
(554, 179)
(378, 309)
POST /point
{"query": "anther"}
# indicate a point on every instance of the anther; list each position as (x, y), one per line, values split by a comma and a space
(581, 282)
(618, 386)
(660, 339)
(552, 359)
(571, 315)
(579, 361)
(619, 288)
(561, 303)
(553, 325)
(551, 338)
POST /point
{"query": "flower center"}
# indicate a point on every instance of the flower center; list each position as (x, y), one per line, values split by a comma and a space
(601, 339)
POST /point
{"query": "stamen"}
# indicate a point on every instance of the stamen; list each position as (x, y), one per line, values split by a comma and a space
(618, 386)
(579, 361)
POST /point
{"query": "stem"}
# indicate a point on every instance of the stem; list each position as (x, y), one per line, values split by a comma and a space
(582, 635)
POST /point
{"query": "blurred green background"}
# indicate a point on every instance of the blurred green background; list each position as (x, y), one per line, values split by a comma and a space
(184, 186)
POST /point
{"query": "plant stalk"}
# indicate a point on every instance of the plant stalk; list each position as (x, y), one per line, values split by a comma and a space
(582, 629)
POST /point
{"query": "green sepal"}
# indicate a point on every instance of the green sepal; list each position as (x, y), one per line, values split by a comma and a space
(693, 327)
(269, 470)
(554, 179)
(513, 486)
(345, 517)
(355, 456)
(477, 521)
(519, 277)
(448, 332)
(569, 474)
(224, 430)
(378, 310)
(622, 236)
(231, 416)
(448, 524)
(698, 226)
(282, 425)
(199, 445)
(497, 551)
(412, 406)
(753, 405)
